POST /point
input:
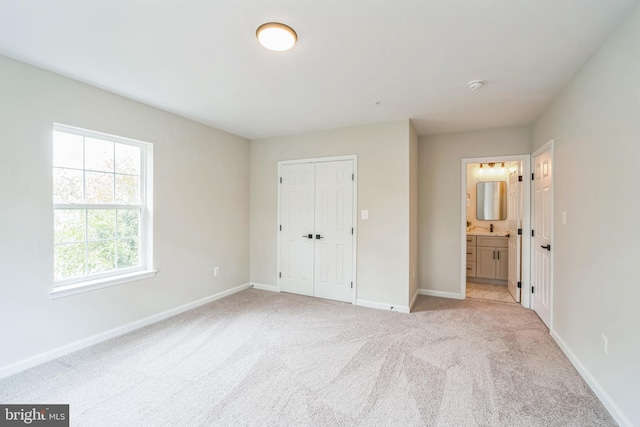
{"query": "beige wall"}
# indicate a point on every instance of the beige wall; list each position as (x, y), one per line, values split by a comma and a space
(383, 189)
(413, 212)
(439, 186)
(201, 205)
(595, 125)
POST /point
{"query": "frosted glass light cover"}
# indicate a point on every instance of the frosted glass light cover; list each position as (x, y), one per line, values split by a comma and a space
(276, 36)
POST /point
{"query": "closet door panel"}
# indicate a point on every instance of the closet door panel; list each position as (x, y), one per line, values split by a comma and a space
(297, 212)
(333, 230)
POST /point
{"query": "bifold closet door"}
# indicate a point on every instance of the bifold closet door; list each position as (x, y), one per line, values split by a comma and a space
(316, 240)
(297, 220)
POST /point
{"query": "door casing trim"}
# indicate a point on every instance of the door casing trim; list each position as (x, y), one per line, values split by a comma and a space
(525, 296)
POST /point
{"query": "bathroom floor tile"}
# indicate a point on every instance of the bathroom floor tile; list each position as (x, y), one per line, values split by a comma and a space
(489, 292)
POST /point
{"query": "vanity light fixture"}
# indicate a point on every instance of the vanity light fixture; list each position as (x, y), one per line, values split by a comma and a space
(492, 169)
(276, 36)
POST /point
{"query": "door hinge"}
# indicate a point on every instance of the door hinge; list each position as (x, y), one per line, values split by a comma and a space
(519, 285)
(280, 275)
(532, 289)
(351, 230)
(280, 227)
(351, 285)
(519, 231)
(520, 178)
(280, 180)
(353, 177)
(532, 177)
(533, 233)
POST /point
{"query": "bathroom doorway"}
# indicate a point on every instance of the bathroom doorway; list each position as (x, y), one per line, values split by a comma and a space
(495, 233)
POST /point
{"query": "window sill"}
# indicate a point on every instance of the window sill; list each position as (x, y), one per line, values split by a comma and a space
(92, 285)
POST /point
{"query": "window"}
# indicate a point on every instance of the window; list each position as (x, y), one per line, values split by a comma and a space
(101, 208)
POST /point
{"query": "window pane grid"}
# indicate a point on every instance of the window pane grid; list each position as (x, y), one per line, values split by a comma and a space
(111, 203)
(121, 235)
(68, 243)
(101, 240)
(86, 246)
(92, 170)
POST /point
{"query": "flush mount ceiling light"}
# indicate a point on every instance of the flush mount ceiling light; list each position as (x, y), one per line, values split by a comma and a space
(276, 36)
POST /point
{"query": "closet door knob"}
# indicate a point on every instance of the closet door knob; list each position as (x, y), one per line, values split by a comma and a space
(319, 236)
(308, 236)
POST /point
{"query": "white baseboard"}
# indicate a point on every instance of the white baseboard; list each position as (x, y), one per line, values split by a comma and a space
(413, 300)
(382, 306)
(440, 294)
(264, 287)
(47, 356)
(604, 397)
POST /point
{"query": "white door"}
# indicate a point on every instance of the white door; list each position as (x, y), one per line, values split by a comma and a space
(316, 240)
(297, 222)
(542, 217)
(333, 230)
(514, 216)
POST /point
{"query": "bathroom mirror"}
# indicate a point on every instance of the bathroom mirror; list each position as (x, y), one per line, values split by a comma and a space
(491, 201)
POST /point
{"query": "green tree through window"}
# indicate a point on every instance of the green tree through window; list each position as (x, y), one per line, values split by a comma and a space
(98, 183)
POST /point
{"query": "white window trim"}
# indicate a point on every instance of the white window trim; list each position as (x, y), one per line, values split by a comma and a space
(92, 285)
(88, 283)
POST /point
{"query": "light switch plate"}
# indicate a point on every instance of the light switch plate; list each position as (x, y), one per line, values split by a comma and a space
(364, 214)
(564, 218)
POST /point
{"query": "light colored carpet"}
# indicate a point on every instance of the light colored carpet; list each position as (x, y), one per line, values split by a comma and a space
(261, 358)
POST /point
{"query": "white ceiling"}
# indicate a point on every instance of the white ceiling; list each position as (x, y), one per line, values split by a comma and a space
(200, 58)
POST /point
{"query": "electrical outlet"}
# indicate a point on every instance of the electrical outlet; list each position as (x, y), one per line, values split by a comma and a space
(216, 271)
(605, 343)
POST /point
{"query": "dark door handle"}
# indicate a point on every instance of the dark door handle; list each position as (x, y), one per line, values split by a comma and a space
(547, 247)
(319, 236)
(308, 236)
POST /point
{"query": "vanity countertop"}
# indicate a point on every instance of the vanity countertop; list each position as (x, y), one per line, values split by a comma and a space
(486, 233)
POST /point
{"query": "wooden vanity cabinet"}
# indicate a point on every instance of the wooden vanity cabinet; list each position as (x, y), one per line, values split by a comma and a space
(471, 256)
(491, 258)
